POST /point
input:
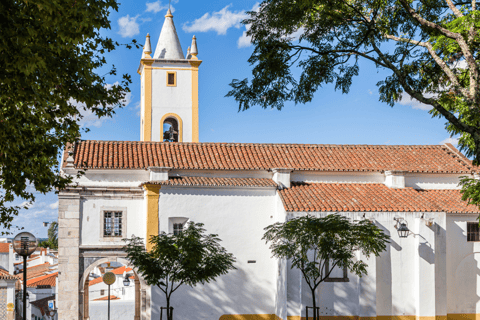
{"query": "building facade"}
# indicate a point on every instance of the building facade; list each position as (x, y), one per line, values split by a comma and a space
(168, 178)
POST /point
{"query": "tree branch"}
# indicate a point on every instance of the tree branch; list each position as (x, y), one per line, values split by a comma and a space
(474, 73)
(452, 7)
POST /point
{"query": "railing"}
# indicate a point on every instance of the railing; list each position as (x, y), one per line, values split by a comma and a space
(317, 309)
(167, 311)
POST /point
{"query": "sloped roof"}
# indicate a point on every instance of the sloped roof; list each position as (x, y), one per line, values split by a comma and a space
(46, 280)
(5, 247)
(218, 182)
(248, 156)
(117, 271)
(4, 275)
(352, 197)
(42, 304)
(168, 46)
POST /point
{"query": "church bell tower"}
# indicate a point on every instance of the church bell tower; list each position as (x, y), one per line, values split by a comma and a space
(169, 85)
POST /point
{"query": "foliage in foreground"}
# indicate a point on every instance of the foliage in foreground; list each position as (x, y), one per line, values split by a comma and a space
(310, 242)
(190, 258)
(50, 53)
(431, 49)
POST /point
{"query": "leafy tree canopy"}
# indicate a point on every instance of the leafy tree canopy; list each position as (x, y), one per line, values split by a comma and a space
(190, 257)
(52, 241)
(50, 51)
(317, 245)
(430, 47)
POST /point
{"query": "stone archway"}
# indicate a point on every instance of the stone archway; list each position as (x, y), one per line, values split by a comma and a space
(140, 288)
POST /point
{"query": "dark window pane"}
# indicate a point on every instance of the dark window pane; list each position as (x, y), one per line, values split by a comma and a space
(171, 78)
(473, 231)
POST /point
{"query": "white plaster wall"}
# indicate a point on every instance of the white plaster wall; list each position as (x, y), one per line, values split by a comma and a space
(128, 293)
(238, 216)
(166, 99)
(339, 177)
(463, 266)
(91, 215)
(113, 178)
(432, 181)
(407, 280)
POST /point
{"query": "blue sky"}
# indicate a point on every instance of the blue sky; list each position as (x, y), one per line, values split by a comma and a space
(331, 118)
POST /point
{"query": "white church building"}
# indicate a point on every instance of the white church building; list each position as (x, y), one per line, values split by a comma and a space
(168, 178)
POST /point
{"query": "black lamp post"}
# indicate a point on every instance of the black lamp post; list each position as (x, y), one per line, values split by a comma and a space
(24, 244)
(402, 227)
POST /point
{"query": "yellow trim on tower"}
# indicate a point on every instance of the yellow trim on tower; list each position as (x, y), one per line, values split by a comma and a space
(151, 197)
(249, 317)
(174, 79)
(147, 127)
(195, 64)
(180, 125)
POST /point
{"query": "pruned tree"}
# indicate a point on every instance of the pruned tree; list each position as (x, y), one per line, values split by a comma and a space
(190, 257)
(52, 70)
(431, 49)
(316, 246)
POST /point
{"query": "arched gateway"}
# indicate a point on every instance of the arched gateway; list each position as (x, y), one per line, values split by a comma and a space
(140, 289)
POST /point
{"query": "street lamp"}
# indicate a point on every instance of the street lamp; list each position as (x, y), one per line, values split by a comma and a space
(126, 281)
(24, 244)
(402, 227)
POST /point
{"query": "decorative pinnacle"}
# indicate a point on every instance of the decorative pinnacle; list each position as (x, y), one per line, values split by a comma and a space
(194, 50)
(147, 49)
(169, 14)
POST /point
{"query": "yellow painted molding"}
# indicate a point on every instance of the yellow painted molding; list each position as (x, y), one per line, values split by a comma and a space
(195, 130)
(174, 78)
(249, 317)
(147, 128)
(151, 196)
(401, 317)
(195, 63)
(180, 125)
(463, 316)
(166, 68)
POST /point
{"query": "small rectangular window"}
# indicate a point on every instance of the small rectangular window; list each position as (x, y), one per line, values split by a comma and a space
(102, 292)
(337, 274)
(473, 232)
(171, 79)
(112, 224)
(177, 228)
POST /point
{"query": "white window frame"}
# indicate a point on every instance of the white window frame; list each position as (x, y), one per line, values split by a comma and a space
(174, 220)
(103, 237)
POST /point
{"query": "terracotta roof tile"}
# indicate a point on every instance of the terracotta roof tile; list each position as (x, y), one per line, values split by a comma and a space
(118, 271)
(4, 275)
(236, 156)
(5, 247)
(217, 182)
(308, 197)
(46, 280)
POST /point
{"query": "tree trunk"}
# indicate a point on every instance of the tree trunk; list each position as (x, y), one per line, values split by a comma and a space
(169, 314)
(314, 305)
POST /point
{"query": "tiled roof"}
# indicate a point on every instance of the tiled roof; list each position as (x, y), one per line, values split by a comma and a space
(112, 297)
(46, 280)
(4, 275)
(117, 271)
(236, 156)
(5, 247)
(350, 197)
(42, 304)
(218, 182)
(35, 271)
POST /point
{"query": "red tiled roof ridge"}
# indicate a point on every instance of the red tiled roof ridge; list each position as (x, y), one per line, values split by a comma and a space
(216, 181)
(43, 280)
(99, 154)
(370, 197)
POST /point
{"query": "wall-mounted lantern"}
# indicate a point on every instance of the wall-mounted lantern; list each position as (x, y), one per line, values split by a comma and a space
(402, 227)
(126, 281)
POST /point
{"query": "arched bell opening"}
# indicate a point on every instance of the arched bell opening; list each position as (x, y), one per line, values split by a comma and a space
(171, 131)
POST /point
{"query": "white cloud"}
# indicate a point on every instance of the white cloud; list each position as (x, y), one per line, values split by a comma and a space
(451, 140)
(89, 119)
(244, 40)
(219, 21)
(407, 100)
(156, 7)
(53, 205)
(128, 26)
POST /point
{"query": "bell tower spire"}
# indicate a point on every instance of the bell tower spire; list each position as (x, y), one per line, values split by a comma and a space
(169, 85)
